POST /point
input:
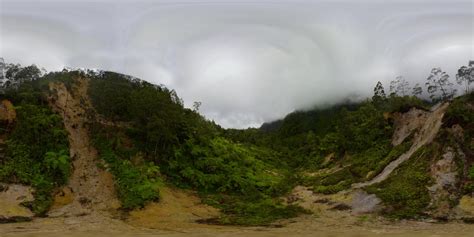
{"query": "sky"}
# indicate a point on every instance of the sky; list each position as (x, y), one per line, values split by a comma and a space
(248, 62)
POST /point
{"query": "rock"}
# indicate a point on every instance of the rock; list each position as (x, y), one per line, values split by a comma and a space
(444, 190)
(363, 202)
(11, 197)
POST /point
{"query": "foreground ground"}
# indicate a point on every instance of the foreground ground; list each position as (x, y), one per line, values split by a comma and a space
(334, 223)
(177, 212)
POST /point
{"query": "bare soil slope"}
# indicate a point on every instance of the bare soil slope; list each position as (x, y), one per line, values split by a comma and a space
(90, 187)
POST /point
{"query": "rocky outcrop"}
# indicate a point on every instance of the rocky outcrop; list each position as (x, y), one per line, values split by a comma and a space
(11, 198)
(444, 191)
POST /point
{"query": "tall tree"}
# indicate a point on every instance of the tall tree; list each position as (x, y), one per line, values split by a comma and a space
(465, 76)
(379, 94)
(197, 105)
(17, 74)
(439, 86)
(417, 90)
(399, 86)
(379, 91)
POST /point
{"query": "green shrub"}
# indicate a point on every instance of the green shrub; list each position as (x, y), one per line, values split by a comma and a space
(137, 184)
(404, 103)
(239, 210)
(459, 112)
(224, 167)
(37, 152)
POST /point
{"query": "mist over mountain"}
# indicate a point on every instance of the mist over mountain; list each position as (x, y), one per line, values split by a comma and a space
(247, 62)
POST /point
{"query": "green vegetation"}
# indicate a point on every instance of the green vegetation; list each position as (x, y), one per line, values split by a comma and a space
(137, 181)
(461, 113)
(37, 152)
(147, 138)
(189, 150)
(239, 210)
(405, 190)
(236, 179)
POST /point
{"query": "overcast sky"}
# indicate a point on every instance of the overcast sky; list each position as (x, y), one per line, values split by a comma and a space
(247, 61)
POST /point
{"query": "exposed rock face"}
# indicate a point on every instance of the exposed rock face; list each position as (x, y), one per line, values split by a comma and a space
(11, 197)
(444, 190)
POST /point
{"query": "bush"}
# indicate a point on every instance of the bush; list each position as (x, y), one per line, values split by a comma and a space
(137, 184)
(241, 211)
(459, 112)
(404, 103)
(224, 167)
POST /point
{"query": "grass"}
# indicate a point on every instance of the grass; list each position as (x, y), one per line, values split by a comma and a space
(238, 210)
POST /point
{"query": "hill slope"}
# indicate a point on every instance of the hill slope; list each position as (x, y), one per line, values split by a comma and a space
(101, 142)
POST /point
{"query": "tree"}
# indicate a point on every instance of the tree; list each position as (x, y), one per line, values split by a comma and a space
(399, 86)
(465, 76)
(379, 91)
(17, 74)
(197, 105)
(417, 90)
(379, 94)
(439, 86)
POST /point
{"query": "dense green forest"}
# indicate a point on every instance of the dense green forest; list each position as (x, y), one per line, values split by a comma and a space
(153, 140)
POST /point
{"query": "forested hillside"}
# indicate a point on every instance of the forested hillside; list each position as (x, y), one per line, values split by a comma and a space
(147, 139)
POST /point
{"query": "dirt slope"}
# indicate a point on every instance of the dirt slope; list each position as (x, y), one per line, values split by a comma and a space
(90, 188)
(177, 209)
(427, 132)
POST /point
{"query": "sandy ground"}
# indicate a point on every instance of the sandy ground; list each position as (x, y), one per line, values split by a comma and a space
(335, 223)
(178, 211)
